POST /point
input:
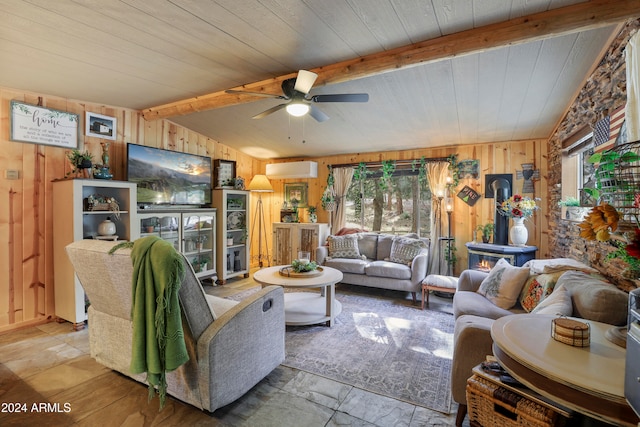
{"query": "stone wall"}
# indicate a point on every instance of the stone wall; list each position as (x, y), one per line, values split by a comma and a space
(604, 91)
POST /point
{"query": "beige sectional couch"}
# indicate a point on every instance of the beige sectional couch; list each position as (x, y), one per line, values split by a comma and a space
(378, 260)
(579, 292)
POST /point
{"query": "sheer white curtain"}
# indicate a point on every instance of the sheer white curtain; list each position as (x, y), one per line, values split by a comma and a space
(437, 173)
(632, 111)
(343, 177)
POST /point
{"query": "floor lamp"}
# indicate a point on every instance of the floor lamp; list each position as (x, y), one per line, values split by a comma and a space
(260, 184)
(449, 209)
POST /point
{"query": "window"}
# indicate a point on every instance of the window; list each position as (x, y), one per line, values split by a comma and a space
(402, 206)
(577, 172)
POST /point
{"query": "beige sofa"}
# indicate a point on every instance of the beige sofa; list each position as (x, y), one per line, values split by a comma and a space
(231, 345)
(371, 266)
(590, 299)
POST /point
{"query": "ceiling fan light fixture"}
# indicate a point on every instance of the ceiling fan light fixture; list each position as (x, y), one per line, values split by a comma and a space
(297, 109)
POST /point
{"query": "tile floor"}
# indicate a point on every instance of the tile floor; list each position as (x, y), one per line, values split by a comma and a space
(47, 378)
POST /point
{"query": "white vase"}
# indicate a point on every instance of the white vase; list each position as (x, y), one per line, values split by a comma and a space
(106, 228)
(313, 217)
(518, 232)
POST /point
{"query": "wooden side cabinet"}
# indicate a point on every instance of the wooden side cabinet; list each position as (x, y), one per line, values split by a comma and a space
(291, 237)
(74, 219)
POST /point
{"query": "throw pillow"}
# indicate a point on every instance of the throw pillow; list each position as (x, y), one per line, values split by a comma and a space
(558, 303)
(537, 288)
(405, 249)
(594, 299)
(344, 246)
(539, 266)
(503, 284)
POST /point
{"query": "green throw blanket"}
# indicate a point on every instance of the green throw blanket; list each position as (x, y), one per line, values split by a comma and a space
(158, 340)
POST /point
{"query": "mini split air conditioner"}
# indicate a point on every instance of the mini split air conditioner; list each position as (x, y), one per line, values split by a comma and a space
(292, 170)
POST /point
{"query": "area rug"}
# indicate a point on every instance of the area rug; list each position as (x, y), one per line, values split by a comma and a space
(380, 343)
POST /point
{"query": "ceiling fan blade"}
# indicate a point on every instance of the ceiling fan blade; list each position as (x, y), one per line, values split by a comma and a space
(269, 111)
(305, 81)
(344, 97)
(317, 114)
(244, 92)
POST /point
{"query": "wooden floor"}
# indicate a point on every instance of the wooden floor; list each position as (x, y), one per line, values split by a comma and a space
(47, 378)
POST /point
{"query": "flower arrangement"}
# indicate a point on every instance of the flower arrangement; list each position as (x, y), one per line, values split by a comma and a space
(518, 206)
(601, 224)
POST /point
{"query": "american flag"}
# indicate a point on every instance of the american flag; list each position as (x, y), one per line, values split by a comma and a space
(607, 130)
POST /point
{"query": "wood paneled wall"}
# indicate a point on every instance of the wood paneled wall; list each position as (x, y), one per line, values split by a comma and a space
(27, 206)
(503, 157)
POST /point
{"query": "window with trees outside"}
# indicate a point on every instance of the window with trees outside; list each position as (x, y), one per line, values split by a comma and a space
(392, 198)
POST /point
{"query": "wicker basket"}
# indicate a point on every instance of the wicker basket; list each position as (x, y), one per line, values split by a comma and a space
(571, 332)
(492, 405)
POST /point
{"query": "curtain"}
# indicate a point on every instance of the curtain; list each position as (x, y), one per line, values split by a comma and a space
(632, 113)
(437, 173)
(343, 177)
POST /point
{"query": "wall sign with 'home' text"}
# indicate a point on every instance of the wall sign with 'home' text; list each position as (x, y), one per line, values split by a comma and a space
(30, 123)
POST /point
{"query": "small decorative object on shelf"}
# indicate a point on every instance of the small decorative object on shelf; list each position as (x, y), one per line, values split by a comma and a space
(237, 264)
(102, 172)
(239, 183)
(313, 216)
(105, 153)
(97, 202)
(200, 241)
(107, 227)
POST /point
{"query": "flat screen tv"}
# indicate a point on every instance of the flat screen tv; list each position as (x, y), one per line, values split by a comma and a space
(167, 177)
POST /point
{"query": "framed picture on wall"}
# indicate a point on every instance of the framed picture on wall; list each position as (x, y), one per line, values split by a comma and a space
(100, 126)
(296, 191)
(224, 173)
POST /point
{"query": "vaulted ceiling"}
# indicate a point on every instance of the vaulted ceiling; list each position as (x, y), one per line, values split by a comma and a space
(438, 72)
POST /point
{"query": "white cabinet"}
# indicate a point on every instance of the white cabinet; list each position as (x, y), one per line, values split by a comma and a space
(191, 232)
(74, 218)
(291, 237)
(233, 233)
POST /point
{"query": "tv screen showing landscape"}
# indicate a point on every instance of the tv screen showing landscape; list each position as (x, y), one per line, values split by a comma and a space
(169, 177)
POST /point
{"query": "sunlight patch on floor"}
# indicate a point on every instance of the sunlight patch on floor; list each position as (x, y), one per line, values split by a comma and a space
(384, 330)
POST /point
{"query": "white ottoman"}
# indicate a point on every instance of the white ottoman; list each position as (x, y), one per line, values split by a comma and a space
(436, 282)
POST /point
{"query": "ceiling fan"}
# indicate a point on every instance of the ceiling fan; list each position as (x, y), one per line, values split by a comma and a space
(299, 102)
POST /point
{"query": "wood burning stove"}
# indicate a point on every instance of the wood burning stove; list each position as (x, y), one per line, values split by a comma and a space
(483, 256)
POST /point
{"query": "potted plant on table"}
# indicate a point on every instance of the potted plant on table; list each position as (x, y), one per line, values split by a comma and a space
(80, 161)
(486, 230)
(574, 210)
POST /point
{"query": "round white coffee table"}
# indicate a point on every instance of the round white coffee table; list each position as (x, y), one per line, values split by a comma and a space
(589, 380)
(305, 308)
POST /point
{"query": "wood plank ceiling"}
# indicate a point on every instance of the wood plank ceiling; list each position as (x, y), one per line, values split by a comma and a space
(143, 55)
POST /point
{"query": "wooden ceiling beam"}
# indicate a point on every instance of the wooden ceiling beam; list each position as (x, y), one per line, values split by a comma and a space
(552, 23)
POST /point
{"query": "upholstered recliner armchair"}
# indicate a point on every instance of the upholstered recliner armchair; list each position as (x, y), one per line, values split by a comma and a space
(231, 345)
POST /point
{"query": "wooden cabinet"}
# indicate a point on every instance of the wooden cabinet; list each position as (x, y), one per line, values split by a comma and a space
(75, 218)
(233, 233)
(289, 238)
(192, 232)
